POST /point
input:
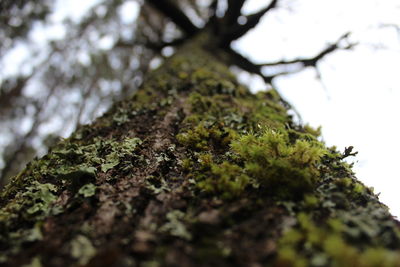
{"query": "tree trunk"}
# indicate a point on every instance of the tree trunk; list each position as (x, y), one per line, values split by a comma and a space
(194, 170)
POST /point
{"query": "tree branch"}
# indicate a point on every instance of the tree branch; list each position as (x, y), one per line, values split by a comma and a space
(312, 62)
(245, 64)
(251, 21)
(234, 11)
(157, 47)
(213, 6)
(173, 12)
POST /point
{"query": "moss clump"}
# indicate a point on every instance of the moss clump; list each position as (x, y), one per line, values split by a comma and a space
(227, 179)
(314, 132)
(196, 138)
(282, 168)
(204, 137)
(266, 162)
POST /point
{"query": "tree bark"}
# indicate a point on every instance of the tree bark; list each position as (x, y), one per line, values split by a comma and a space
(194, 170)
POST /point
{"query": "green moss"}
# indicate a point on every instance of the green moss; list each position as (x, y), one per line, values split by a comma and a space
(314, 132)
(289, 257)
(209, 82)
(352, 187)
(186, 164)
(201, 137)
(326, 246)
(196, 138)
(226, 180)
(281, 168)
(145, 98)
(270, 160)
(311, 201)
(266, 162)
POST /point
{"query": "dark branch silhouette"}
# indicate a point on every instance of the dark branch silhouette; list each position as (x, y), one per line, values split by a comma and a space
(173, 12)
(231, 30)
(157, 47)
(251, 21)
(234, 11)
(246, 64)
(312, 62)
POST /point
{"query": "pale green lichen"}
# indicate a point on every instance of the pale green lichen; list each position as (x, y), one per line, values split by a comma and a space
(157, 185)
(34, 203)
(41, 196)
(226, 178)
(328, 247)
(175, 226)
(82, 249)
(87, 190)
(72, 162)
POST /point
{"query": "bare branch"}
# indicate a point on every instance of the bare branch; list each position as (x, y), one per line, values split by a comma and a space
(157, 47)
(395, 26)
(213, 6)
(245, 64)
(213, 21)
(22, 142)
(392, 25)
(85, 97)
(287, 66)
(173, 12)
(251, 21)
(348, 152)
(234, 11)
(312, 62)
(10, 90)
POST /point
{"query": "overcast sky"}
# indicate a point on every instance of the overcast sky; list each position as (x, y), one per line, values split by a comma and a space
(357, 102)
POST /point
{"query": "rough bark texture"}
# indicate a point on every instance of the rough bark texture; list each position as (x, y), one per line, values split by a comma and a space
(194, 170)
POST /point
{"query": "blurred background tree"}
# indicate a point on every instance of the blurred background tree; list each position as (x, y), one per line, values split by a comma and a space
(70, 68)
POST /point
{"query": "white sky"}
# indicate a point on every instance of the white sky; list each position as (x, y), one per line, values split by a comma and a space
(360, 103)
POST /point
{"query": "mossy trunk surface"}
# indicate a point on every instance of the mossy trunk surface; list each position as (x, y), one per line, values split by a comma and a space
(194, 170)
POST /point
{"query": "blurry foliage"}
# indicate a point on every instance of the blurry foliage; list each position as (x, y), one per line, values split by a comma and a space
(64, 82)
(16, 18)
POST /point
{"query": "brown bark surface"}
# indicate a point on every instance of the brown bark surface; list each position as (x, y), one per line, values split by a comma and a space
(194, 170)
